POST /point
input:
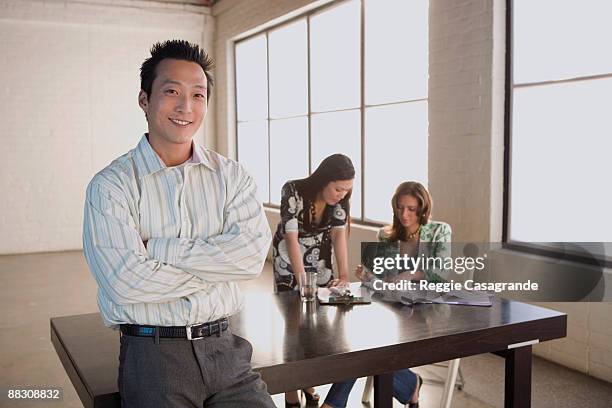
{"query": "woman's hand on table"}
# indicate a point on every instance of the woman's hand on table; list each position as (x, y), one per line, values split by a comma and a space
(338, 283)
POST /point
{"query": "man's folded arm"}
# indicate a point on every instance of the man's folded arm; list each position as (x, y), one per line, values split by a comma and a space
(117, 256)
(238, 253)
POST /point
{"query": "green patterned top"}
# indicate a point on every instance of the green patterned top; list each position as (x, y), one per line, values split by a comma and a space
(436, 236)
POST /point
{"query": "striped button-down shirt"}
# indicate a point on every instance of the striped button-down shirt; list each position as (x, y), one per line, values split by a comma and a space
(204, 227)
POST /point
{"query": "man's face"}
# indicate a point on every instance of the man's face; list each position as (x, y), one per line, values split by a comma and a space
(176, 106)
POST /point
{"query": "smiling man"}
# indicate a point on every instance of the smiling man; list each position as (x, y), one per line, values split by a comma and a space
(169, 228)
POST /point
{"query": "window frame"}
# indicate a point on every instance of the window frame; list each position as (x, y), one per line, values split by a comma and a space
(307, 15)
(507, 243)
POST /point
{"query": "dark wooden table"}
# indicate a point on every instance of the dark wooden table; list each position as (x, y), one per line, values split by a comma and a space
(298, 345)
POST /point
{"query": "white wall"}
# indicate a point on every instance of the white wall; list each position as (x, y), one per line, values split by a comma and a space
(466, 111)
(70, 75)
(588, 345)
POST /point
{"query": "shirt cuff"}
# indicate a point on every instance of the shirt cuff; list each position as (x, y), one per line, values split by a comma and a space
(165, 250)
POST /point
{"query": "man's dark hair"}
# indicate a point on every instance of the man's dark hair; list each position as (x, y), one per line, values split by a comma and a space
(179, 50)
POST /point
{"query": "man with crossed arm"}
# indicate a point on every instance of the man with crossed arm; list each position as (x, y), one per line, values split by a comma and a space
(169, 228)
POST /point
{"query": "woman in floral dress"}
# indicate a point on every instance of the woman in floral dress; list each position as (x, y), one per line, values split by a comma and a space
(314, 213)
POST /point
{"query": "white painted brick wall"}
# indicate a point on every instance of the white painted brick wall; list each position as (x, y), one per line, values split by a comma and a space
(70, 73)
(588, 345)
(466, 112)
(466, 79)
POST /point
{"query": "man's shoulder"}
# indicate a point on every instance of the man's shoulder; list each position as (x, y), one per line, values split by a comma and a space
(221, 163)
(116, 175)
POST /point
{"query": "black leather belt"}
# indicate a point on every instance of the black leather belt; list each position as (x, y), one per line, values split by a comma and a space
(192, 332)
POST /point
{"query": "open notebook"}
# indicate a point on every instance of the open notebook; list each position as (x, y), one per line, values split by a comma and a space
(360, 295)
(455, 297)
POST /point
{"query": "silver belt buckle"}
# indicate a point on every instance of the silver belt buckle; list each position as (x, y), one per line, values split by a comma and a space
(188, 330)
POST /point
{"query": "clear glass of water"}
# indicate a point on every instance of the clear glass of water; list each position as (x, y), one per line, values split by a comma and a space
(308, 286)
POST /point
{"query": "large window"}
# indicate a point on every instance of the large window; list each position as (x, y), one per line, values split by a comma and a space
(350, 77)
(559, 122)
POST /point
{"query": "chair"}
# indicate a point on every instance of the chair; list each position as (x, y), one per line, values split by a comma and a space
(451, 375)
(449, 385)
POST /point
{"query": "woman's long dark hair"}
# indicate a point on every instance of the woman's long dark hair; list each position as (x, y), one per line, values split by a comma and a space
(333, 168)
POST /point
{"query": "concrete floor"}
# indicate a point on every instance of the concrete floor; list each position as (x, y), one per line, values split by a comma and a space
(36, 287)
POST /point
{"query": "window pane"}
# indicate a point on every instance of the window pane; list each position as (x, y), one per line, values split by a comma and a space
(395, 151)
(288, 71)
(561, 39)
(252, 79)
(561, 144)
(339, 132)
(335, 57)
(396, 50)
(253, 153)
(288, 152)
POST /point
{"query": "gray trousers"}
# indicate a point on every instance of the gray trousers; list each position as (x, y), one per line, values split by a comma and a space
(211, 372)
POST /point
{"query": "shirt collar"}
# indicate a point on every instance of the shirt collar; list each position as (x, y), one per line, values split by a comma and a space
(199, 156)
(148, 162)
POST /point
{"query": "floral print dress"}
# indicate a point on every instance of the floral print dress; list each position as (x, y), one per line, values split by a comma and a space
(315, 244)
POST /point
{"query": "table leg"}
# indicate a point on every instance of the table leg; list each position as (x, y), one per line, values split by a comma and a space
(383, 390)
(518, 378)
